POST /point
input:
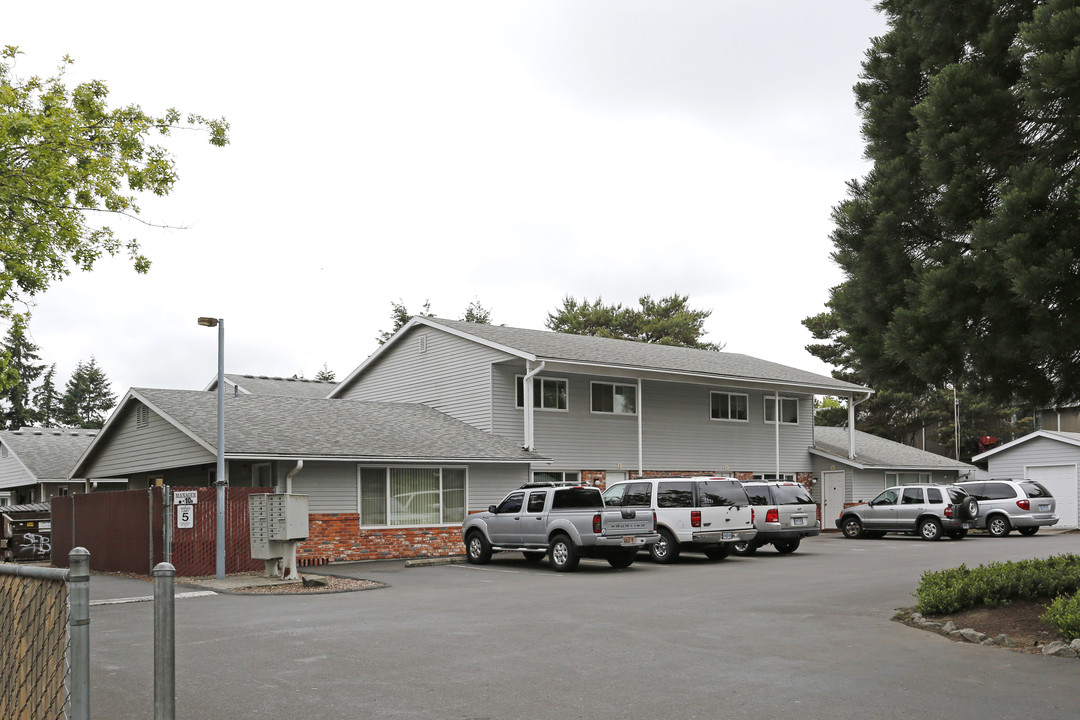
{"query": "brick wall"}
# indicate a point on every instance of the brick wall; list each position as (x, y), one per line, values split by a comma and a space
(338, 537)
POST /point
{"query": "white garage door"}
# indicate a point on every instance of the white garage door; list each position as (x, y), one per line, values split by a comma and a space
(1061, 481)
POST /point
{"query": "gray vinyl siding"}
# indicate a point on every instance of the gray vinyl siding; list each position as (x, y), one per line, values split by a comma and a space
(330, 486)
(129, 449)
(677, 431)
(1011, 463)
(452, 375)
(12, 472)
(488, 484)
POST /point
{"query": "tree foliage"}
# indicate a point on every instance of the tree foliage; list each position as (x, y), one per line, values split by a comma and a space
(400, 316)
(47, 400)
(668, 321)
(959, 248)
(88, 397)
(22, 361)
(68, 161)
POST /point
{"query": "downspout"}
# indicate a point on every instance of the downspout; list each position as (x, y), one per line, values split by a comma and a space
(851, 423)
(776, 417)
(527, 397)
(640, 462)
(289, 477)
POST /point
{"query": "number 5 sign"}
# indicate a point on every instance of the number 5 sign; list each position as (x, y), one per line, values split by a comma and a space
(185, 517)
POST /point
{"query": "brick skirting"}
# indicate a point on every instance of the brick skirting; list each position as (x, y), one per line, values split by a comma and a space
(339, 538)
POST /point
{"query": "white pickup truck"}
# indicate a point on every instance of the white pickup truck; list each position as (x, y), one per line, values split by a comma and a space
(564, 523)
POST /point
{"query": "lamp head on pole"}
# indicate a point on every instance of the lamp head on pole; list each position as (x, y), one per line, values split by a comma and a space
(208, 322)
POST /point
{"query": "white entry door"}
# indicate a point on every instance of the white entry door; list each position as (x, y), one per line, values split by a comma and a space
(833, 494)
(1061, 481)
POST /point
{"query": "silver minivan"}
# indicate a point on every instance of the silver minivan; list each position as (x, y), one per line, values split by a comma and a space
(1007, 505)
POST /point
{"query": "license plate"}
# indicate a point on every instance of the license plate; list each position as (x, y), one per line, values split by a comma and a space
(728, 536)
(629, 540)
(965, 526)
(798, 521)
(1044, 508)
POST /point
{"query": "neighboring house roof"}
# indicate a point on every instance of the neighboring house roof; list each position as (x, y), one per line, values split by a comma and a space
(265, 385)
(1069, 438)
(48, 453)
(268, 427)
(599, 354)
(873, 452)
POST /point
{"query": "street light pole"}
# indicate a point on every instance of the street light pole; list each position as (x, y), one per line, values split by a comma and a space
(220, 481)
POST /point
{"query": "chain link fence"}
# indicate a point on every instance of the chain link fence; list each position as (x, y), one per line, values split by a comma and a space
(41, 677)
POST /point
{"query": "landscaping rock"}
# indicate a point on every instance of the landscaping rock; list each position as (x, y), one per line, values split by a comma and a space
(972, 635)
(1004, 641)
(1058, 649)
(949, 628)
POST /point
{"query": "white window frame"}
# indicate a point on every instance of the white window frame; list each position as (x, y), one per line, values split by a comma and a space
(730, 395)
(893, 478)
(386, 497)
(562, 476)
(770, 406)
(612, 385)
(770, 476)
(539, 397)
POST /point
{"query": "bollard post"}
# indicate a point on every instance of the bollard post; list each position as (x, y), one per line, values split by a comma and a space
(79, 629)
(164, 642)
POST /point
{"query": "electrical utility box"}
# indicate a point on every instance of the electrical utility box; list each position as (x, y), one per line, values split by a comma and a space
(278, 522)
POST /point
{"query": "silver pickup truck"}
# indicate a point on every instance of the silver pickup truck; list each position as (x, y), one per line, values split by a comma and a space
(564, 523)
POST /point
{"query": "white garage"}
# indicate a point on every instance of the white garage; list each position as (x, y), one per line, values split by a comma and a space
(1049, 457)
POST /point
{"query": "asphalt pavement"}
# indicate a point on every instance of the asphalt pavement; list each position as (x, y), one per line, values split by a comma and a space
(807, 636)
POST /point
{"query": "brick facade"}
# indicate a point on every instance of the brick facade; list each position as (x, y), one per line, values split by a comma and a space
(339, 538)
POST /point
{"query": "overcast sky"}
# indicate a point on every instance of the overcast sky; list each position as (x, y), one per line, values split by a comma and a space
(510, 153)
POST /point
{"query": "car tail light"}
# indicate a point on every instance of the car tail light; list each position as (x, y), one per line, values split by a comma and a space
(772, 515)
(1023, 504)
(949, 511)
(597, 523)
(654, 521)
(753, 516)
(695, 518)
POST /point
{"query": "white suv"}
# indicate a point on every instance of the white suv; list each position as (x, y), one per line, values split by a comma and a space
(707, 514)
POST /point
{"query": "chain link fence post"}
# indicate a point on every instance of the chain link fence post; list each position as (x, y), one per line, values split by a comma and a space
(79, 631)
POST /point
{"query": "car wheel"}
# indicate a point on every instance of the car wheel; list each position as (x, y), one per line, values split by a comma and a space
(852, 528)
(717, 552)
(958, 534)
(930, 529)
(785, 547)
(622, 559)
(533, 556)
(563, 554)
(744, 548)
(969, 509)
(666, 549)
(1027, 531)
(998, 526)
(477, 548)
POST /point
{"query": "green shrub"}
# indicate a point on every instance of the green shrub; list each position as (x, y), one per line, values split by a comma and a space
(962, 588)
(1064, 616)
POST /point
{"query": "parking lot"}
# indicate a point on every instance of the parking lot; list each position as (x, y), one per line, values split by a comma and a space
(806, 635)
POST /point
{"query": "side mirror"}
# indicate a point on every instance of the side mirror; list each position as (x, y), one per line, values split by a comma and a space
(491, 509)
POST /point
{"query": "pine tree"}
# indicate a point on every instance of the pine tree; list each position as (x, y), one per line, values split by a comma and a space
(22, 356)
(87, 398)
(47, 400)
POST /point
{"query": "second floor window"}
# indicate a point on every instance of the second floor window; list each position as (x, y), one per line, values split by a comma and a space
(729, 406)
(548, 393)
(615, 399)
(789, 410)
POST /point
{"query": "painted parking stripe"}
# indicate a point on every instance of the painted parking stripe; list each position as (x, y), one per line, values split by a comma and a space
(150, 598)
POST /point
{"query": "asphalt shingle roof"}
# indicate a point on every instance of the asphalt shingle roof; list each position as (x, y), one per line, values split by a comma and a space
(554, 346)
(874, 451)
(291, 387)
(263, 425)
(48, 453)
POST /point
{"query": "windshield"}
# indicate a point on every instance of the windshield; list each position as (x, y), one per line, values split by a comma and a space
(791, 495)
(1035, 490)
(579, 497)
